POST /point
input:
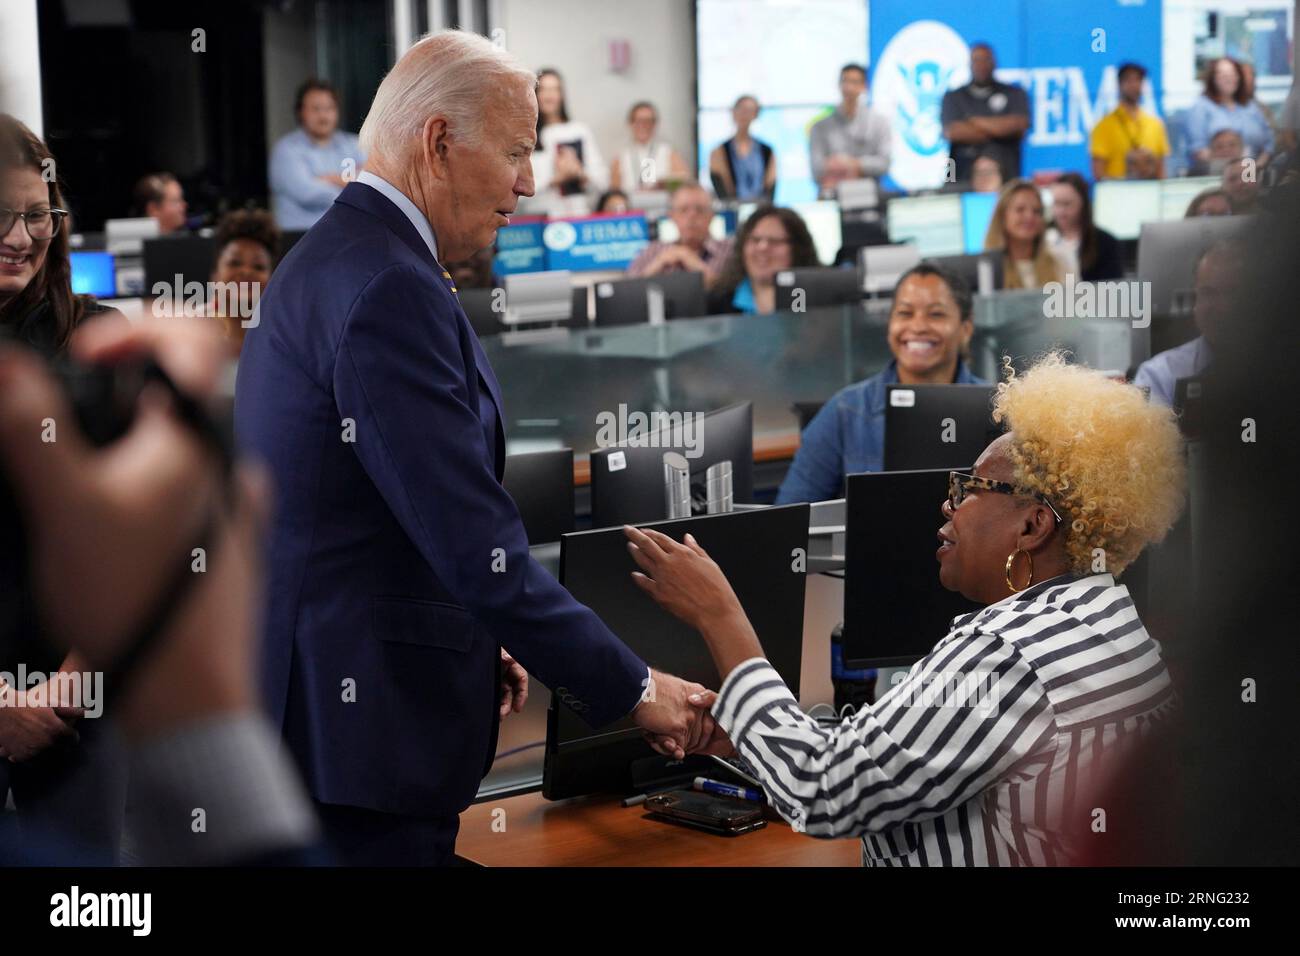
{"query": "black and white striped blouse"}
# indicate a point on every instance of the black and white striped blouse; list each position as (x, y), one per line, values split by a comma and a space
(985, 753)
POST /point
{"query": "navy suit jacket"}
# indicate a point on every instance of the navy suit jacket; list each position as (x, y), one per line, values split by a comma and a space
(397, 564)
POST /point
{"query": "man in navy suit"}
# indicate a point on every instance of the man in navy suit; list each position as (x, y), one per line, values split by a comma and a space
(399, 569)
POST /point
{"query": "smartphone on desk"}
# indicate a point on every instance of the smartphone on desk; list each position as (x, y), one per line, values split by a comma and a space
(725, 816)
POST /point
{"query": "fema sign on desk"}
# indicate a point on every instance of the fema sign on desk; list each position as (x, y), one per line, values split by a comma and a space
(519, 247)
(593, 243)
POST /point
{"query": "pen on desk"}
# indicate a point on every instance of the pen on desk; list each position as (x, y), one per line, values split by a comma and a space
(727, 789)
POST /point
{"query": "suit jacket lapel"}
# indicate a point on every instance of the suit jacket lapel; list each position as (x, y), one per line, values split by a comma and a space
(360, 196)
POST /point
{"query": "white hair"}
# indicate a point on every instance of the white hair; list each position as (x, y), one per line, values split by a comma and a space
(450, 73)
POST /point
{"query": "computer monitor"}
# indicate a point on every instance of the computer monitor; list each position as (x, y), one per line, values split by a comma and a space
(627, 301)
(93, 273)
(937, 426)
(982, 271)
(1122, 206)
(895, 608)
(976, 214)
(627, 481)
(1167, 255)
(1177, 194)
(883, 266)
(124, 237)
(190, 257)
(753, 549)
(932, 223)
(821, 216)
(541, 483)
(538, 297)
(820, 286)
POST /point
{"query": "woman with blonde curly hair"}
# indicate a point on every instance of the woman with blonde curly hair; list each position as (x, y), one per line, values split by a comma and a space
(985, 752)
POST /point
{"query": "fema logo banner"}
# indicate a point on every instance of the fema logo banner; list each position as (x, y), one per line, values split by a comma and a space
(917, 66)
(1068, 71)
(595, 242)
(519, 247)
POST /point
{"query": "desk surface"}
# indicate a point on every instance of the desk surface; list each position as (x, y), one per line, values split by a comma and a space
(597, 831)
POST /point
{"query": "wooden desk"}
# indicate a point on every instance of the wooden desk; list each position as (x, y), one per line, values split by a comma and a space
(597, 831)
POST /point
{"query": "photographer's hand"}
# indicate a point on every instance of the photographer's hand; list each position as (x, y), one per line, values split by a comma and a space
(114, 522)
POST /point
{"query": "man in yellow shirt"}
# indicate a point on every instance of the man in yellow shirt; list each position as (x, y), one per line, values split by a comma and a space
(1129, 143)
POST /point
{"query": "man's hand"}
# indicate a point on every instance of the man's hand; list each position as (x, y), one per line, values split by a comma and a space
(675, 255)
(28, 724)
(567, 164)
(514, 685)
(673, 726)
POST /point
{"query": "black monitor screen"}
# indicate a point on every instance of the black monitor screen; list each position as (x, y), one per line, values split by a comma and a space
(937, 426)
(757, 552)
(627, 482)
(895, 609)
(541, 483)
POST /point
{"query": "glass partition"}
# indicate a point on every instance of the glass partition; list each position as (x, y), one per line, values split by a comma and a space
(556, 388)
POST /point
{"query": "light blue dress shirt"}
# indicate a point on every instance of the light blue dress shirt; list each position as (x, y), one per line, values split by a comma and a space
(403, 202)
(1161, 372)
(1206, 117)
(298, 198)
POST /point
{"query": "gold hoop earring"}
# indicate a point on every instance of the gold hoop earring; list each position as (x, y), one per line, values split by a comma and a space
(1011, 560)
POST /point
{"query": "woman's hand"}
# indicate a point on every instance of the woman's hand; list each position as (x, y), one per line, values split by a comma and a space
(681, 577)
(689, 584)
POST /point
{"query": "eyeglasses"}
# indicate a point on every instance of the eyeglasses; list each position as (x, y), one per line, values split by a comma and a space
(40, 224)
(766, 240)
(960, 484)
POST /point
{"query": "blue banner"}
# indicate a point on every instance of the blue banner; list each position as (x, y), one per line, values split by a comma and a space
(519, 248)
(1064, 53)
(594, 242)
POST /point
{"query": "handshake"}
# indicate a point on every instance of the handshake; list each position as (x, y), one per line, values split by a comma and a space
(674, 716)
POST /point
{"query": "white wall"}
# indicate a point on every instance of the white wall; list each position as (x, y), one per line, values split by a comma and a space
(20, 65)
(288, 58)
(573, 37)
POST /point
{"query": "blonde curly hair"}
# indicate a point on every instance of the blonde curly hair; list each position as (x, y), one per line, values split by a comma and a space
(1110, 462)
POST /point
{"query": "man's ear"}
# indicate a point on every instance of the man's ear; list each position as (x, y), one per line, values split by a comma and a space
(435, 143)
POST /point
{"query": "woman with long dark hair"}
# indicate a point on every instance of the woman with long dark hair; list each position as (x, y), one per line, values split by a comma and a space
(55, 760)
(1088, 253)
(773, 238)
(37, 304)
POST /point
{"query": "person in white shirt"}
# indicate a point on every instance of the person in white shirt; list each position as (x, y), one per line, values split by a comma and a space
(992, 749)
(567, 162)
(1218, 280)
(647, 162)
